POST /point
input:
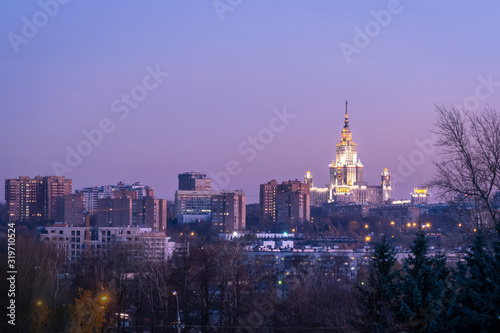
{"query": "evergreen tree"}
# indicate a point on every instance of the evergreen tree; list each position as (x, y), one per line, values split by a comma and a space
(478, 290)
(425, 289)
(377, 298)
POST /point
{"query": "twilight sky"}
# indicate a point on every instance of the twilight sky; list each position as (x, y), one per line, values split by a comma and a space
(103, 64)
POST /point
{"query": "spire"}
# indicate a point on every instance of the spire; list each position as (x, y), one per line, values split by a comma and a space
(346, 116)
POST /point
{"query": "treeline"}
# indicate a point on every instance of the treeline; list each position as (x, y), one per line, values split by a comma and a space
(221, 289)
(426, 294)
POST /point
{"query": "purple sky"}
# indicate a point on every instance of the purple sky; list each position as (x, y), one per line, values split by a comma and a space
(227, 76)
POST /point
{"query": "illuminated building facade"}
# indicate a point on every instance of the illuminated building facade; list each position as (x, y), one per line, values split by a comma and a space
(319, 195)
(346, 174)
(287, 203)
(420, 196)
(267, 198)
(34, 199)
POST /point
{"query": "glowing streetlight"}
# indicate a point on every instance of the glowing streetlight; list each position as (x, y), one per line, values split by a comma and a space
(368, 238)
(39, 303)
(178, 315)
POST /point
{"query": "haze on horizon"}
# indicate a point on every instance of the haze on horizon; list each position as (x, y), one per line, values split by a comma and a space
(227, 79)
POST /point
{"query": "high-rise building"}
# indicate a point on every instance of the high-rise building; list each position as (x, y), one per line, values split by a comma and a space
(193, 206)
(70, 209)
(34, 199)
(347, 170)
(149, 213)
(228, 211)
(92, 194)
(125, 210)
(308, 178)
(386, 186)
(287, 203)
(114, 212)
(346, 174)
(293, 201)
(267, 198)
(194, 181)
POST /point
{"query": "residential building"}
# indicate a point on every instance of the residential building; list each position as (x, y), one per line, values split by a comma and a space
(70, 209)
(34, 199)
(125, 210)
(285, 204)
(129, 243)
(193, 206)
(267, 198)
(293, 203)
(400, 214)
(228, 211)
(194, 181)
(94, 193)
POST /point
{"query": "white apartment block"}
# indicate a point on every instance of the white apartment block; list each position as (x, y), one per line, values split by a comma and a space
(135, 243)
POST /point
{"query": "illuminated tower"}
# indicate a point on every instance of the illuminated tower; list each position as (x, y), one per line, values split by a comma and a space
(347, 169)
(386, 186)
(308, 178)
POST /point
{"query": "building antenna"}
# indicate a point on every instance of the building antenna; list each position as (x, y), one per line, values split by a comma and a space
(346, 117)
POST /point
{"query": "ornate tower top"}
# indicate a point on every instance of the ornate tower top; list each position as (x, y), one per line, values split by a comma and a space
(346, 136)
(346, 116)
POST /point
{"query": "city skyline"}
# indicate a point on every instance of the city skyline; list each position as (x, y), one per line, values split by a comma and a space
(214, 79)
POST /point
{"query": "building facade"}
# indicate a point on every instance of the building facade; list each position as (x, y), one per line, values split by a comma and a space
(287, 203)
(193, 206)
(420, 196)
(194, 181)
(131, 243)
(401, 215)
(346, 174)
(228, 211)
(94, 193)
(267, 199)
(34, 199)
(127, 211)
(70, 209)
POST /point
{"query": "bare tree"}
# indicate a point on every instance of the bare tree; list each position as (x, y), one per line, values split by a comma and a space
(468, 170)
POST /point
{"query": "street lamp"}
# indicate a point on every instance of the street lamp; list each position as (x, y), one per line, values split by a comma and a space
(178, 315)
